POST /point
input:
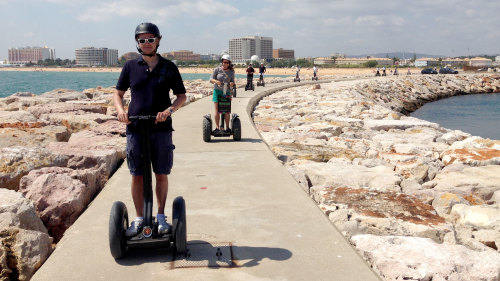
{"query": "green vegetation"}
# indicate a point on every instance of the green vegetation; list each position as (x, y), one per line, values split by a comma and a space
(370, 63)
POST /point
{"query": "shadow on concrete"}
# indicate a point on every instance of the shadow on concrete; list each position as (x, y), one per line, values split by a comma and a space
(249, 140)
(241, 256)
(244, 256)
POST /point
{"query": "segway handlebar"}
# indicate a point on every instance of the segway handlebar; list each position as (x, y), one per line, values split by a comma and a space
(144, 117)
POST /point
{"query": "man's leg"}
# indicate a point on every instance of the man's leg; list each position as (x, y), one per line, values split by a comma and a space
(161, 192)
(138, 195)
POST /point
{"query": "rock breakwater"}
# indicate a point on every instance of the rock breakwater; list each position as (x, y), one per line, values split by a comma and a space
(418, 201)
(57, 151)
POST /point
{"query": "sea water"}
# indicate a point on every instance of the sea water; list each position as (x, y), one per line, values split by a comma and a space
(477, 114)
(38, 82)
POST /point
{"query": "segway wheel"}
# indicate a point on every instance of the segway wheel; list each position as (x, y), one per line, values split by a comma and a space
(118, 224)
(179, 225)
(207, 129)
(236, 129)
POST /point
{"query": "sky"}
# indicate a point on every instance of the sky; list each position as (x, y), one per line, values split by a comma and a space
(313, 28)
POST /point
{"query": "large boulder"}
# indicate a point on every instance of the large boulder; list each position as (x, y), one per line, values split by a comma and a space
(414, 258)
(17, 161)
(24, 241)
(60, 195)
(473, 151)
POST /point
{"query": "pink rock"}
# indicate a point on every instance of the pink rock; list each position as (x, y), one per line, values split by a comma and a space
(63, 107)
(24, 241)
(60, 195)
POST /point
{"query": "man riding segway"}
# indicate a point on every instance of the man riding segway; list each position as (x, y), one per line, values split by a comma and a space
(250, 71)
(262, 70)
(150, 79)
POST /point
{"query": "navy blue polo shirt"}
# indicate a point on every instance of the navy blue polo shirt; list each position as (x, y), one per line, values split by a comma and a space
(150, 90)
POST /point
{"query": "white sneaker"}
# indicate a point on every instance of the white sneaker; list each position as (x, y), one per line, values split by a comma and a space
(163, 226)
(134, 228)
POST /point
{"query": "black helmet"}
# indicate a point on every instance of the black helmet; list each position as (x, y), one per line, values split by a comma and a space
(147, 27)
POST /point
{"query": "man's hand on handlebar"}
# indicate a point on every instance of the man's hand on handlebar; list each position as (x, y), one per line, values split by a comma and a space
(123, 117)
(163, 115)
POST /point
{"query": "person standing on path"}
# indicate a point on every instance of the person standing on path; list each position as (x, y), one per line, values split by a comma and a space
(262, 70)
(223, 80)
(250, 72)
(150, 79)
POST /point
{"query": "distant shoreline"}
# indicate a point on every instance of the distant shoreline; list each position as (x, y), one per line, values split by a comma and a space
(271, 71)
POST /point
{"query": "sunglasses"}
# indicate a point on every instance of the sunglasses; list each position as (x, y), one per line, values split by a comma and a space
(148, 40)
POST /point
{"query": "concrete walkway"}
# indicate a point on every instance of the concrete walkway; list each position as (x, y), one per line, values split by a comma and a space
(235, 192)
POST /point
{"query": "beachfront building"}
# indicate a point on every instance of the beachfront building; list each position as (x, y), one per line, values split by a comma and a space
(360, 61)
(283, 54)
(323, 61)
(23, 55)
(478, 61)
(182, 55)
(452, 62)
(90, 56)
(423, 62)
(207, 57)
(242, 49)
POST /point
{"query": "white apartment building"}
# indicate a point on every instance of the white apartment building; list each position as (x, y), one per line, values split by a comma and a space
(96, 56)
(242, 49)
(31, 54)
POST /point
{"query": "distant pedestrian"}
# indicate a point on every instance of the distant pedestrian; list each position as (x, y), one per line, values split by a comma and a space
(409, 72)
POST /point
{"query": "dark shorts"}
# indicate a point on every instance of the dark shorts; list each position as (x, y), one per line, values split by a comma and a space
(162, 153)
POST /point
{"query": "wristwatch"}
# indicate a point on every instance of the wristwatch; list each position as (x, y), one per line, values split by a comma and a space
(171, 110)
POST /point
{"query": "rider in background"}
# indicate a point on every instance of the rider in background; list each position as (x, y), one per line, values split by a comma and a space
(297, 71)
(250, 72)
(223, 80)
(262, 70)
(315, 71)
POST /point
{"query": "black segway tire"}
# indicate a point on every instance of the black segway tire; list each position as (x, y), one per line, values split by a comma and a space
(179, 225)
(207, 129)
(236, 129)
(118, 224)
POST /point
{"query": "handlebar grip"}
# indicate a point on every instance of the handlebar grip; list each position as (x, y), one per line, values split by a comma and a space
(144, 117)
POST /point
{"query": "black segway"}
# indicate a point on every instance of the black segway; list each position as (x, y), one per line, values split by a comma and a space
(261, 80)
(149, 237)
(235, 124)
(315, 77)
(297, 78)
(249, 86)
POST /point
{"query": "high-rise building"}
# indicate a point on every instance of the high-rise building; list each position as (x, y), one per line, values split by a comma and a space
(96, 56)
(283, 54)
(31, 54)
(241, 49)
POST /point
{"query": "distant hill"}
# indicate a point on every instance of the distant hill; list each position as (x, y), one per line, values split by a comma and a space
(400, 55)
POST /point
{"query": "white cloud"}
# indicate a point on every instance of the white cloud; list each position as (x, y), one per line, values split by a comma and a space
(156, 9)
(369, 20)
